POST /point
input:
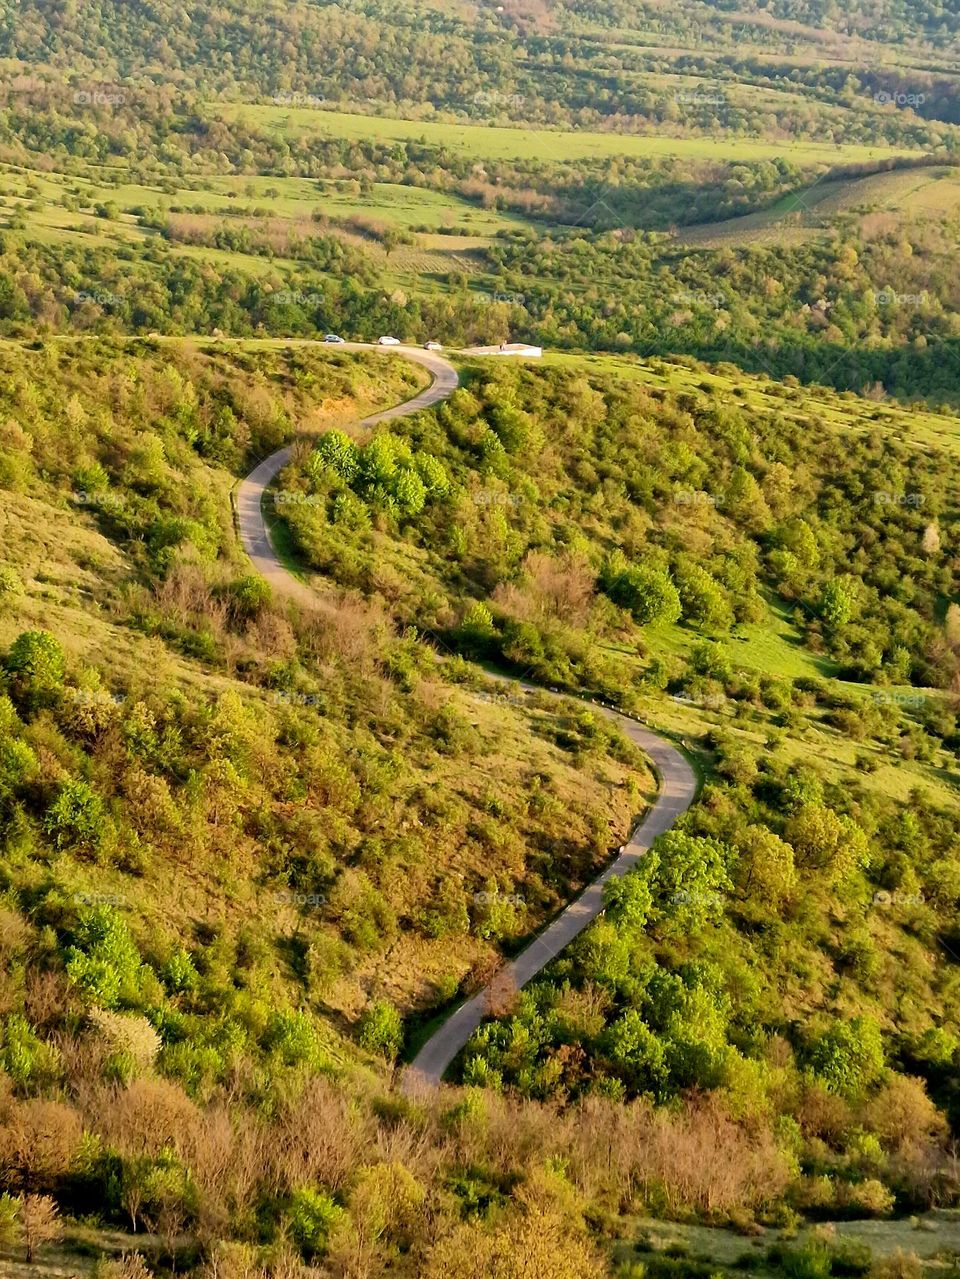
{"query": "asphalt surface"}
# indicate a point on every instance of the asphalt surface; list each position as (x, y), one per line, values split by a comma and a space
(250, 492)
(677, 791)
(678, 783)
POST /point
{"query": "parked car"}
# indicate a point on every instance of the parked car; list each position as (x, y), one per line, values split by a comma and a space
(433, 346)
(388, 341)
(333, 337)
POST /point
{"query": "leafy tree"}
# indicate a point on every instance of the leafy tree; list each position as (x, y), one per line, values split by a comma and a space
(849, 1056)
(636, 1053)
(838, 601)
(336, 452)
(103, 961)
(37, 664)
(380, 1029)
(311, 1217)
(690, 877)
(828, 842)
(703, 599)
(628, 899)
(647, 592)
(764, 870)
(76, 818)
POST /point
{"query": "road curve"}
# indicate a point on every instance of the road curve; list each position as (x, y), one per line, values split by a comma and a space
(678, 783)
(677, 791)
(250, 492)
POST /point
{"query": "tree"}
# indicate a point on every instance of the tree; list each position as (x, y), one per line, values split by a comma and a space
(637, 1053)
(704, 600)
(764, 870)
(536, 1244)
(9, 1220)
(628, 899)
(76, 817)
(380, 1029)
(690, 877)
(647, 592)
(312, 1215)
(37, 664)
(39, 1223)
(828, 842)
(337, 452)
(838, 601)
(849, 1056)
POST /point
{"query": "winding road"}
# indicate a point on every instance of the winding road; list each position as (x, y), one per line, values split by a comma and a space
(678, 782)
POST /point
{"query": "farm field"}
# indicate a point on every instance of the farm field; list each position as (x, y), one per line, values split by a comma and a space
(916, 195)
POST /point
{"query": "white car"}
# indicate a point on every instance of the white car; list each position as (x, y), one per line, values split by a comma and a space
(388, 341)
(432, 346)
(334, 337)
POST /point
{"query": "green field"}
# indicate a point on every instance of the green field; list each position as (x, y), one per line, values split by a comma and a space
(495, 143)
(910, 194)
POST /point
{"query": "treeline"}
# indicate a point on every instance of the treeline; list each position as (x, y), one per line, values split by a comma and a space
(504, 66)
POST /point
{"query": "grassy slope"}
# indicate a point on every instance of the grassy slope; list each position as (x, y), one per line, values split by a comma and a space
(76, 584)
(494, 143)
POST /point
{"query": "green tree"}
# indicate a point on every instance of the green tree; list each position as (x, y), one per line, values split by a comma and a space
(838, 601)
(76, 817)
(380, 1029)
(647, 592)
(849, 1056)
(828, 842)
(690, 877)
(336, 452)
(37, 664)
(311, 1217)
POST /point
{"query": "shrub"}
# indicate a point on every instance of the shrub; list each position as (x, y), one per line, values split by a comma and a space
(312, 1215)
(37, 664)
(75, 819)
(380, 1030)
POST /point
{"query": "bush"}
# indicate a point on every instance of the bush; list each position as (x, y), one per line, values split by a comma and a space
(37, 665)
(75, 819)
(312, 1215)
(380, 1030)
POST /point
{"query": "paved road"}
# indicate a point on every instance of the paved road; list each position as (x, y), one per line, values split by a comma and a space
(678, 783)
(677, 791)
(249, 499)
